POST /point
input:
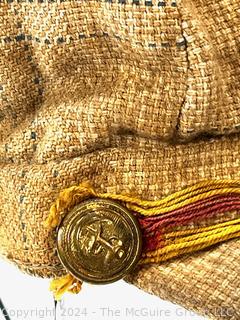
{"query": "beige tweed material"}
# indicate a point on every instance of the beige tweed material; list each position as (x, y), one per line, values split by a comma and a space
(135, 96)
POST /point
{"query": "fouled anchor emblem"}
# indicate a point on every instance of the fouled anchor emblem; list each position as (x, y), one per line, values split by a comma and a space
(92, 241)
(99, 241)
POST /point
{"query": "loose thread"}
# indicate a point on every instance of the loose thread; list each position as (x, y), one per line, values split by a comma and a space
(64, 284)
(67, 199)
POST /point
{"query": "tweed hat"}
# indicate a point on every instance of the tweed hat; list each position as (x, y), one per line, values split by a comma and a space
(138, 98)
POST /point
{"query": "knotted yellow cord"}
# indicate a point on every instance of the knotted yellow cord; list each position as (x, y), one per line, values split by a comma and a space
(176, 242)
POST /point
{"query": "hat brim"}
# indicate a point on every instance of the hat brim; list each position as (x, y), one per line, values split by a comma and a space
(205, 281)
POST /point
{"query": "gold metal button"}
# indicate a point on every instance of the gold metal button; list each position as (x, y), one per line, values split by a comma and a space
(99, 241)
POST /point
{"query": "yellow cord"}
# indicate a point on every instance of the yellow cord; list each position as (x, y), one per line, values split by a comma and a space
(176, 242)
(64, 284)
(183, 247)
(73, 195)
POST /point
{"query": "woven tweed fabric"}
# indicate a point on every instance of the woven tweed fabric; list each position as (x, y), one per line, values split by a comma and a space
(135, 96)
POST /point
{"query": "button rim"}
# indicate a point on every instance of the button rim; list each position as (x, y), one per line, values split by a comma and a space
(137, 235)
